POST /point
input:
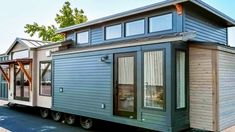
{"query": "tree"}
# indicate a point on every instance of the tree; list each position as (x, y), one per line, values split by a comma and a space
(66, 17)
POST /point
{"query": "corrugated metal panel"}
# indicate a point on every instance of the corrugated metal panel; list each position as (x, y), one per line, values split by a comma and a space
(86, 82)
(206, 31)
(226, 63)
(34, 43)
(97, 36)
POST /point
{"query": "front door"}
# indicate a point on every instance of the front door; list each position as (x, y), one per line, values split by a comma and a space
(21, 84)
(125, 85)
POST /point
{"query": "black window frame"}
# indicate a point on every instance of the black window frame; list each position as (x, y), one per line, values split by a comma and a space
(105, 31)
(135, 20)
(186, 72)
(172, 23)
(88, 39)
(164, 79)
(40, 94)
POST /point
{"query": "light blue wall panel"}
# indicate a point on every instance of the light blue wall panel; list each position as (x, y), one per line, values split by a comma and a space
(86, 83)
(97, 36)
(206, 31)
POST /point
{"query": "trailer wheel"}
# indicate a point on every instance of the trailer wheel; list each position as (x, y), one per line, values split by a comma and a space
(11, 105)
(56, 116)
(70, 119)
(86, 123)
(44, 113)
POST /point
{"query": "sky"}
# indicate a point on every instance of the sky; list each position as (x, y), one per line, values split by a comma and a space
(15, 14)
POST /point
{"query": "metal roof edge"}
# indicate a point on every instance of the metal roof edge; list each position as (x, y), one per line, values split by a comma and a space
(13, 44)
(123, 14)
(149, 8)
(214, 11)
(19, 40)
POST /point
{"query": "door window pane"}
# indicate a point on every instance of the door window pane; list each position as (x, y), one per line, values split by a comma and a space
(160, 23)
(180, 77)
(113, 32)
(126, 84)
(83, 37)
(135, 28)
(153, 80)
(18, 81)
(45, 78)
(22, 87)
(26, 82)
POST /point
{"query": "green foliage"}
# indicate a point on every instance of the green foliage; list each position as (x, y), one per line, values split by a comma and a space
(69, 17)
(66, 17)
(46, 33)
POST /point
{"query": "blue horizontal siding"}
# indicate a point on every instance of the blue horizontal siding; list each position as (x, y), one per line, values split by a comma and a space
(153, 118)
(3, 83)
(206, 32)
(86, 82)
(97, 36)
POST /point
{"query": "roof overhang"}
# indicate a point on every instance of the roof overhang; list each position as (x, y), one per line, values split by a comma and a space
(15, 61)
(159, 5)
(184, 37)
(30, 44)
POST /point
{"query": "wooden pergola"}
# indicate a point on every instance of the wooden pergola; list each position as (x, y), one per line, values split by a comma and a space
(21, 63)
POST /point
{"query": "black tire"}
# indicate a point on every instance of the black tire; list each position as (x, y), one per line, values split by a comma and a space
(86, 123)
(70, 119)
(56, 116)
(44, 113)
(11, 105)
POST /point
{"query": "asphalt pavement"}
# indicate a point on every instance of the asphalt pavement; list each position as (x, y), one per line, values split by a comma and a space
(27, 119)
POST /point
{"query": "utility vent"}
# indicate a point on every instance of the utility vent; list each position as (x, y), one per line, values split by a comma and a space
(48, 53)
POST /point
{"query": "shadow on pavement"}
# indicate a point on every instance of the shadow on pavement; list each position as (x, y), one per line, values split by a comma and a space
(100, 126)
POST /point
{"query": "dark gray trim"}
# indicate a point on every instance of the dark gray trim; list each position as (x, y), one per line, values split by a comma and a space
(89, 36)
(115, 83)
(105, 32)
(134, 20)
(52, 82)
(164, 77)
(158, 15)
(181, 50)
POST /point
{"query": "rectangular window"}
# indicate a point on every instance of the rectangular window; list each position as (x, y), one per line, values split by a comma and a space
(83, 37)
(45, 78)
(112, 32)
(180, 80)
(20, 54)
(135, 28)
(160, 23)
(153, 80)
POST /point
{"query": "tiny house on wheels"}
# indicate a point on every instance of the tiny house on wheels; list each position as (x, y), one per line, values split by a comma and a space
(26, 73)
(164, 67)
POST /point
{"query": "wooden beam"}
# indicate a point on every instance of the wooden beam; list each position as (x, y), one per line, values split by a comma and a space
(4, 75)
(17, 72)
